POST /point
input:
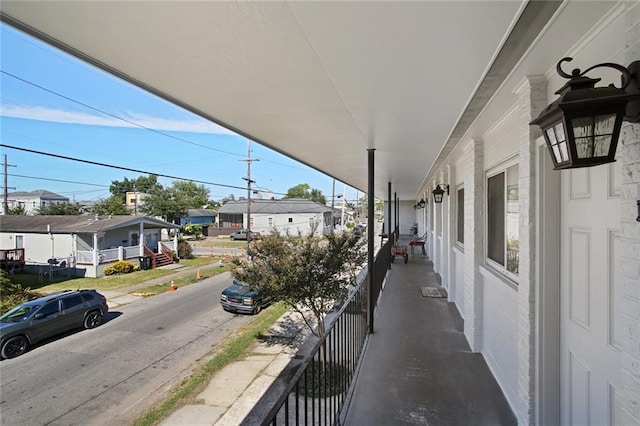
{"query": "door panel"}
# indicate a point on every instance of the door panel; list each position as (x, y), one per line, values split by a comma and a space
(589, 295)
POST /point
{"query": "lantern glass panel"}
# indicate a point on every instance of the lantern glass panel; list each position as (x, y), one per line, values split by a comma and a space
(593, 135)
(557, 141)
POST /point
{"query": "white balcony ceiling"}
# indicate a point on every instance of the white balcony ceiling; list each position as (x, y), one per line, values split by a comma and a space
(321, 82)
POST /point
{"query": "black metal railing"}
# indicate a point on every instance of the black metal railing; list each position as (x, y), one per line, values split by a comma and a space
(317, 392)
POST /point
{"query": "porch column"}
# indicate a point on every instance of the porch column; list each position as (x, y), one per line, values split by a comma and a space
(388, 221)
(141, 239)
(175, 242)
(95, 249)
(629, 155)
(532, 98)
(370, 260)
(473, 242)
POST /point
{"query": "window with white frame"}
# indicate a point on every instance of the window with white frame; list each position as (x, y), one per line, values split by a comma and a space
(311, 221)
(460, 216)
(290, 220)
(270, 220)
(503, 240)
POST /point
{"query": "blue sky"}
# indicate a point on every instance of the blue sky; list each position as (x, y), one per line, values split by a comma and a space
(54, 103)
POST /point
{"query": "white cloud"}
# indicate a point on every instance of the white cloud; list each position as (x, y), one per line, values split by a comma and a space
(194, 125)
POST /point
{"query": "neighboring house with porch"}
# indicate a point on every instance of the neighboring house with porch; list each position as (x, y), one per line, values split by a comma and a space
(87, 244)
(33, 200)
(291, 215)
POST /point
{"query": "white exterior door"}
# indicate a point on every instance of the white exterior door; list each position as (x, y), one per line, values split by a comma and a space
(590, 296)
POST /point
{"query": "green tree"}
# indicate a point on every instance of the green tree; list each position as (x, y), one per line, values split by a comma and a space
(17, 210)
(310, 274)
(57, 209)
(303, 190)
(110, 206)
(144, 184)
(173, 203)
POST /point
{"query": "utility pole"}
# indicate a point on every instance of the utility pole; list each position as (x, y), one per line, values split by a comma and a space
(249, 182)
(6, 185)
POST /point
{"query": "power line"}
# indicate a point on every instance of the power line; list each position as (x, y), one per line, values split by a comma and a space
(95, 163)
(60, 180)
(133, 123)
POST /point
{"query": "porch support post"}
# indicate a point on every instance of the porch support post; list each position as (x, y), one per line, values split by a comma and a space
(175, 241)
(532, 98)
(370, 259)
(396, 207)
(628, 399)
(141, 238)
(389, 215)
(95, 249)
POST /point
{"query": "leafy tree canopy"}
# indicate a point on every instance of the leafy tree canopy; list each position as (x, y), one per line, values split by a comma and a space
(173, 202)
(144, 184)
(112, 205)
(310, 274)
(303, 190)
(59, 209)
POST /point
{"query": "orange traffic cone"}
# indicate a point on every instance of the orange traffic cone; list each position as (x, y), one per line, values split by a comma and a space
(173, 287)
(211, 252)
(198, 276)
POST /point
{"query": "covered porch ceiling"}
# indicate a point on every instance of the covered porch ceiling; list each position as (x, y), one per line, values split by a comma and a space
(320, 82)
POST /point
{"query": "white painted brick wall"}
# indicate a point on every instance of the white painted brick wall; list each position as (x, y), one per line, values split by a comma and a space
(629, 396)
(532, 98)
(473, 248)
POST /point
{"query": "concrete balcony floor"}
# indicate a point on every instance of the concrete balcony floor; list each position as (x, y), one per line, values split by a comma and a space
(417, 367)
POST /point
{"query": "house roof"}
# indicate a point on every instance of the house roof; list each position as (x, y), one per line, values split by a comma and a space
(201, 213)
(38, 193)
(41, 224)
(283, 206)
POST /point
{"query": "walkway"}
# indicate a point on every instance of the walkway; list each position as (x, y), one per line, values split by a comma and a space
(417, 367)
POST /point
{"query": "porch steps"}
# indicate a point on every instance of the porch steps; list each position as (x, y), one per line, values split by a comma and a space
(162, 259)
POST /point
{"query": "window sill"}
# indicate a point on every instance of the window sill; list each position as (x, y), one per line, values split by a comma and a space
(488, 272)
(458, 248)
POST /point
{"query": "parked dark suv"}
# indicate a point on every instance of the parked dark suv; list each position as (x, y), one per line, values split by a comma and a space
(37, 319)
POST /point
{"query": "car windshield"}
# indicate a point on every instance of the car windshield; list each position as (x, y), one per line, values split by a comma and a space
(19, 313)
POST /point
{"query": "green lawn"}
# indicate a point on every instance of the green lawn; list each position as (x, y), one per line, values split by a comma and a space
(43, 284)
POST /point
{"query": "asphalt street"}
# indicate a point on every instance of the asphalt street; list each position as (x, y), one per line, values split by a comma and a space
(111, 374)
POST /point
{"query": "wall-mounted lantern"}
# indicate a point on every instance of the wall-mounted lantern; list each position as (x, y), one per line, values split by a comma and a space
(421, 203)
(439, 192)
(581, 127)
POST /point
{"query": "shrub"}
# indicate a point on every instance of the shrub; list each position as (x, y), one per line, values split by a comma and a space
(12, 294)
(121, 267)
(184, 250)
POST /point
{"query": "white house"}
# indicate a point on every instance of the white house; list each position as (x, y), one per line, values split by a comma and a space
(292, 215)
(86, 243)
(33, 200)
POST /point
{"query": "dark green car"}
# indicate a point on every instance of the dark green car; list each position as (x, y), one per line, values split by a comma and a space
(38, 319)
(240, 298)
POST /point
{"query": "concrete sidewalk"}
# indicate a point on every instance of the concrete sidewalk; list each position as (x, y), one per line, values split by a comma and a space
(235, 390)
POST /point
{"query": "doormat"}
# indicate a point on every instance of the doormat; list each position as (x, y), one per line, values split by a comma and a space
(433, 292)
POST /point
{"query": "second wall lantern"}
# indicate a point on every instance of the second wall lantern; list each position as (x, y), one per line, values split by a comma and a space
(438, 192)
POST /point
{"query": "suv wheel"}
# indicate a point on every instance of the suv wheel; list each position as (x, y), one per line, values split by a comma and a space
(258, 308)
(93, 319)
(15, 346)
(232, 238)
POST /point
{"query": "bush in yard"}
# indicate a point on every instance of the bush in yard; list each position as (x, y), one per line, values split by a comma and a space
(12, 294)
(121, 267)
(184, 250)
